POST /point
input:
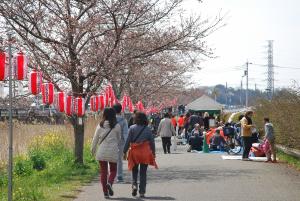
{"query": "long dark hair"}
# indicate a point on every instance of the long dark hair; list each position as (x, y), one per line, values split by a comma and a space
(109, 114)
(140, 118)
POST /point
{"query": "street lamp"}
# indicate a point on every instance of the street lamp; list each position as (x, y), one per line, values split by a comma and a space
(10, 129)
(19, 72)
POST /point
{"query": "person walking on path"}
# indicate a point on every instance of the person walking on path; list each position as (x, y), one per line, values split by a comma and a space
(246, 131)
(166, 130)
(195, 119)
(141, 146)
(186, 126)
(131, 120)
(270, 137)
(124, 130)
(107, 137)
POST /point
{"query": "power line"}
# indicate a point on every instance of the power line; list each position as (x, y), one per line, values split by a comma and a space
(275, 66)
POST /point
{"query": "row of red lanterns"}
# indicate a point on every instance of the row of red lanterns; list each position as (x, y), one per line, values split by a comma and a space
(71, 105)
(68, 104)
(19, 66)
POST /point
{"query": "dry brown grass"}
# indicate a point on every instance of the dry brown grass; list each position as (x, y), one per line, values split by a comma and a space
(24, 133)
(284, 113)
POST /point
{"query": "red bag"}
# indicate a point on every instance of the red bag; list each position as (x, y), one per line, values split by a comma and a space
(140, 153)
(257, 152)
(266, 146)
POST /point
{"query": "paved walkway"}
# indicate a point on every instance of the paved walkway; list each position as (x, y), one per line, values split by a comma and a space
(186, 176)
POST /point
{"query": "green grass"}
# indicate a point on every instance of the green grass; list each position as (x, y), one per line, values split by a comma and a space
(290, 160)
(47, 172)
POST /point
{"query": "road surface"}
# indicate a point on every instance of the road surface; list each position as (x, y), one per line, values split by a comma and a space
(186, 176)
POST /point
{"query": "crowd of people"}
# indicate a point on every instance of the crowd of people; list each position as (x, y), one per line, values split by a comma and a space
(117, 139)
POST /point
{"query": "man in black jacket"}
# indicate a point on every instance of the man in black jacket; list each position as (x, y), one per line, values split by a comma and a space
(195, 142)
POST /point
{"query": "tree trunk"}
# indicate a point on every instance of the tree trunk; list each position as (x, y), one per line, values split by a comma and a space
(78, 126)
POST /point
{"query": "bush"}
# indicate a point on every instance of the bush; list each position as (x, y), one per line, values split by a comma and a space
(22, 166)
(38, 160)
(284, 112)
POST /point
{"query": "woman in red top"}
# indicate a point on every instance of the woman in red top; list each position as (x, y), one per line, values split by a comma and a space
(174, 121)
(180, 123)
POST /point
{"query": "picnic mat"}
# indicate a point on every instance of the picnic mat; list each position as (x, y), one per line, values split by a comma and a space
(211, 152)
(229, 157)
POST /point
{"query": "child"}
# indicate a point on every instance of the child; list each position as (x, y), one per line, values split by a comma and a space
(270, 137)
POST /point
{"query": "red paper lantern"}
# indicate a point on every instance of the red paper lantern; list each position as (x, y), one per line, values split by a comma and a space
(110, 90)
(3, 66)
(101, 102)
(48, 93)
(124, 103)
(69, 105)
(79, 106)
(107, 99)
(60, 101)
(140, 106)
(35, 82)
(110, 98)
(94, 103)
(130, 105)
(20, 66)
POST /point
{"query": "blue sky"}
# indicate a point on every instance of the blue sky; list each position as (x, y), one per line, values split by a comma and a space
(250, 23)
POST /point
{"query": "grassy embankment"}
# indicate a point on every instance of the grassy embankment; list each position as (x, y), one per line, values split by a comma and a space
(46, 170)
(288, 159)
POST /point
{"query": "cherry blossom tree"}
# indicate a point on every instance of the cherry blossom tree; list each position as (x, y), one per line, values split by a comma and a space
(140, 46)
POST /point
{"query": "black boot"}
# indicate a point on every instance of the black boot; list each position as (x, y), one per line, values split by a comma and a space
(134, 190)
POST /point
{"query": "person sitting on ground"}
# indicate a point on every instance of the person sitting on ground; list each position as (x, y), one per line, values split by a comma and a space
(197, 130)
(195, 142)
(217, 141)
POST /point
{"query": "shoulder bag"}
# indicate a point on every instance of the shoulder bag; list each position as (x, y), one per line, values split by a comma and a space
(105, 136)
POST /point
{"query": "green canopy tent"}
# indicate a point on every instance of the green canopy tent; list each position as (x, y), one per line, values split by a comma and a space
(205, 104)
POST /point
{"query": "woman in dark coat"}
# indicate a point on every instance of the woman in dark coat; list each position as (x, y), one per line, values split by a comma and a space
(140, 133)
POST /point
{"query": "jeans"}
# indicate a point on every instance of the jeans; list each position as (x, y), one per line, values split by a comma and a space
(104, 173)
(166, 143)
(247, 144)
(143, 177)
(120, 161)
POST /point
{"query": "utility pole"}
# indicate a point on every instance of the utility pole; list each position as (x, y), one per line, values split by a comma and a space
(226, 95)
(270, 80)
(241, 93)
(247, 82)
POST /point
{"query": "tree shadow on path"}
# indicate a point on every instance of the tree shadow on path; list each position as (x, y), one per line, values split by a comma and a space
(170, 174)
(143, 199)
